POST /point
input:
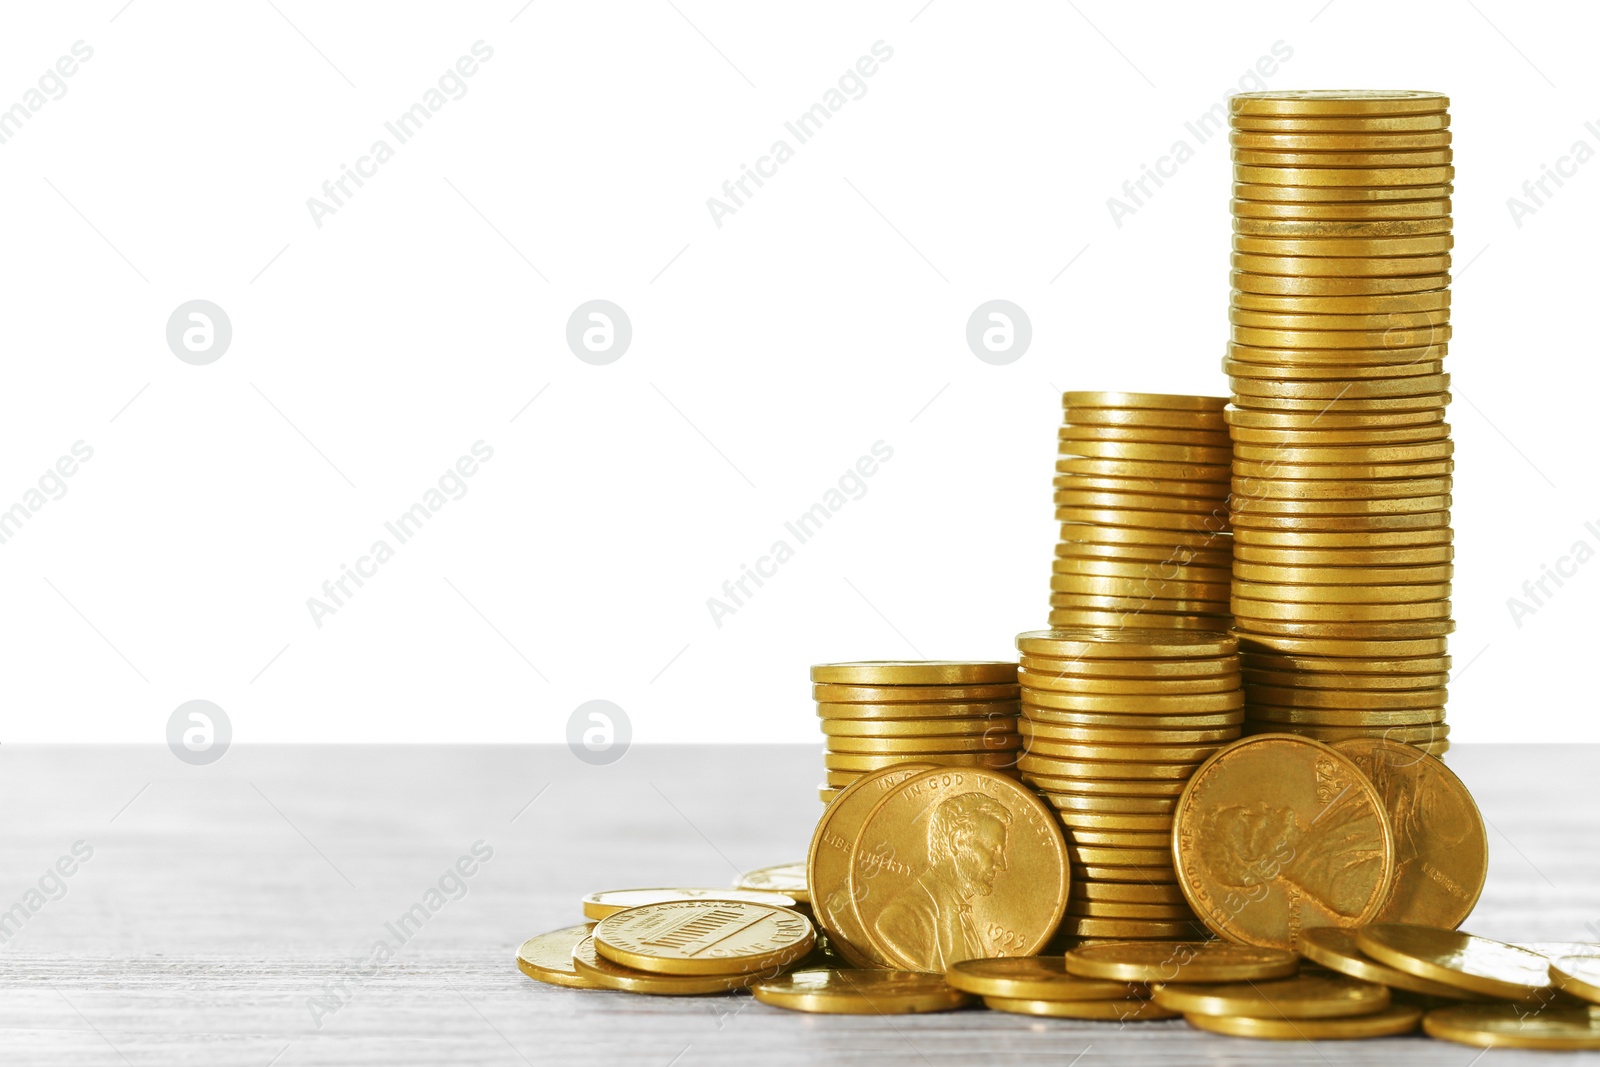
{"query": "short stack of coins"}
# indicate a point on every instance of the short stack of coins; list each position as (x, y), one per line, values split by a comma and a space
(1114, 723)
(1141, 493)
(883, 713)
(1342, 458)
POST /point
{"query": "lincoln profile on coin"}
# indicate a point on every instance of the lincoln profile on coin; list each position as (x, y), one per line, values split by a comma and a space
(930, 923)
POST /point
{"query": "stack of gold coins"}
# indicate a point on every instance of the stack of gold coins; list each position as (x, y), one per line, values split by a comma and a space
(1341, 461)
(1114, 723)
(1141, 495)
(883, 713)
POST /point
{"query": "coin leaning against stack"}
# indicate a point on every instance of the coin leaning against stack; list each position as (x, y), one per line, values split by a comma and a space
(1114, 722)
(1341, 456)
(883, 713)
(1141, 493)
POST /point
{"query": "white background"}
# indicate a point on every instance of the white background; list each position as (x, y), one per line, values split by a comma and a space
(827, 314)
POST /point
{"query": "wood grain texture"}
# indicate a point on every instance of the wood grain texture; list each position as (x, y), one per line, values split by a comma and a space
(223, 900)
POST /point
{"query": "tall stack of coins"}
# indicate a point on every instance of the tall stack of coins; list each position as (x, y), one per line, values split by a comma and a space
(1341, 461)
(884, 713)
(1141, 495)
(1114, 723)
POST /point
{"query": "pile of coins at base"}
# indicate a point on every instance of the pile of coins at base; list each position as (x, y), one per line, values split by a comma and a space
(885, 712)
(1115, 722)
(1341, 455)
(1141, 495)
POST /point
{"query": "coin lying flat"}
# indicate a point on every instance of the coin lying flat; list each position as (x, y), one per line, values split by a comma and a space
(1120, 1010)
(1034, 978)
(827, 692)
(1335, 949)
(605, 974)
(1398, 1019)
(1578, 975)
(1515, 1026)
(828, 861)
(1324, 102)
(1441, 848)
(548, 957)
(1279, 833)
(1464, 961)
(786, 878)
(1181, 961)
(704, 937)
(860, 992)
(957, 864)
(915, 672)
(1305, 996)
(599, 905)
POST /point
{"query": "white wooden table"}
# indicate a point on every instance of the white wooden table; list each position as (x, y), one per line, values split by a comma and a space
(220, 903)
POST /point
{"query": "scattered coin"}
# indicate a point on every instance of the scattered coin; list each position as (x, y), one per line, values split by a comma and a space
(548, 957)
(606, 902)
(860, 992)
(1304, 996)
(1465, 961)
(1397, 1019)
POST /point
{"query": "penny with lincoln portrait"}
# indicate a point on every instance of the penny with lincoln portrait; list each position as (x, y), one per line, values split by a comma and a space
(1279, 833)
(955, 864)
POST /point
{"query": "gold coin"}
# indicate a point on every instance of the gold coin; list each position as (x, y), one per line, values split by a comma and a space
(1148, 435)
(1424, 557)
(1121, 841)
(828, 795)
(1330, 681)
(1464, 961)
(548, 957)
(1158, 401)
(1515, 1026)
(853, 761)
(1335, 285)
(1278, 814)
(1298, 719)
(1106, 787)
(1326, 539)
(1340, 142)
(1069, 617)
(1321, 103)
(1401, 666)
(704, 937)
(916, 672)
(1133, 643)
(1138, 592)
(827, 868)
(1128, 468)
(1363, 371)
(1160, 557)
(1182, 961)
(1327, 646)
(1086, 498)
(1424, 738)
(1416, 245)
(602, 973)
(1050, 766)
(1034, 978)
(1335, 949)
(1130, 735)
(958, 839)
(1000, 738)
(1129, 1010)
(1397, 1019)
(1071, 683)
(859, 992)
(1441, 848)
(1128, 894)
(1112, 805)
(1420, 575)
(1279, 193)
(1154, 520)
(1578, 975)
(1136, 705)
(1300, 320)
(1399, 388)
(1304, 996)
(1353, 631)
(1338, 267)
(1130, 929)
(1272, 508)
(786, 878)
(1348, 124)
(1158, 572)
(1391, 304)
(1142, 450)
(1210, 419)
(610, 901)
(914, 711)
(1291, 420)
(1256, 490)
(1293, 696)
(1173, 542)
(1135, 604)
(1318, 611)
(1344, 523)
(1402, 359)
(1401, 453)
(911, 694)
(1129, 875)
(1152, 670)
(840, 779)
(1361, 160)
(1437, 207)
(1119, 753)
(1088, 820)
(917, 728)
